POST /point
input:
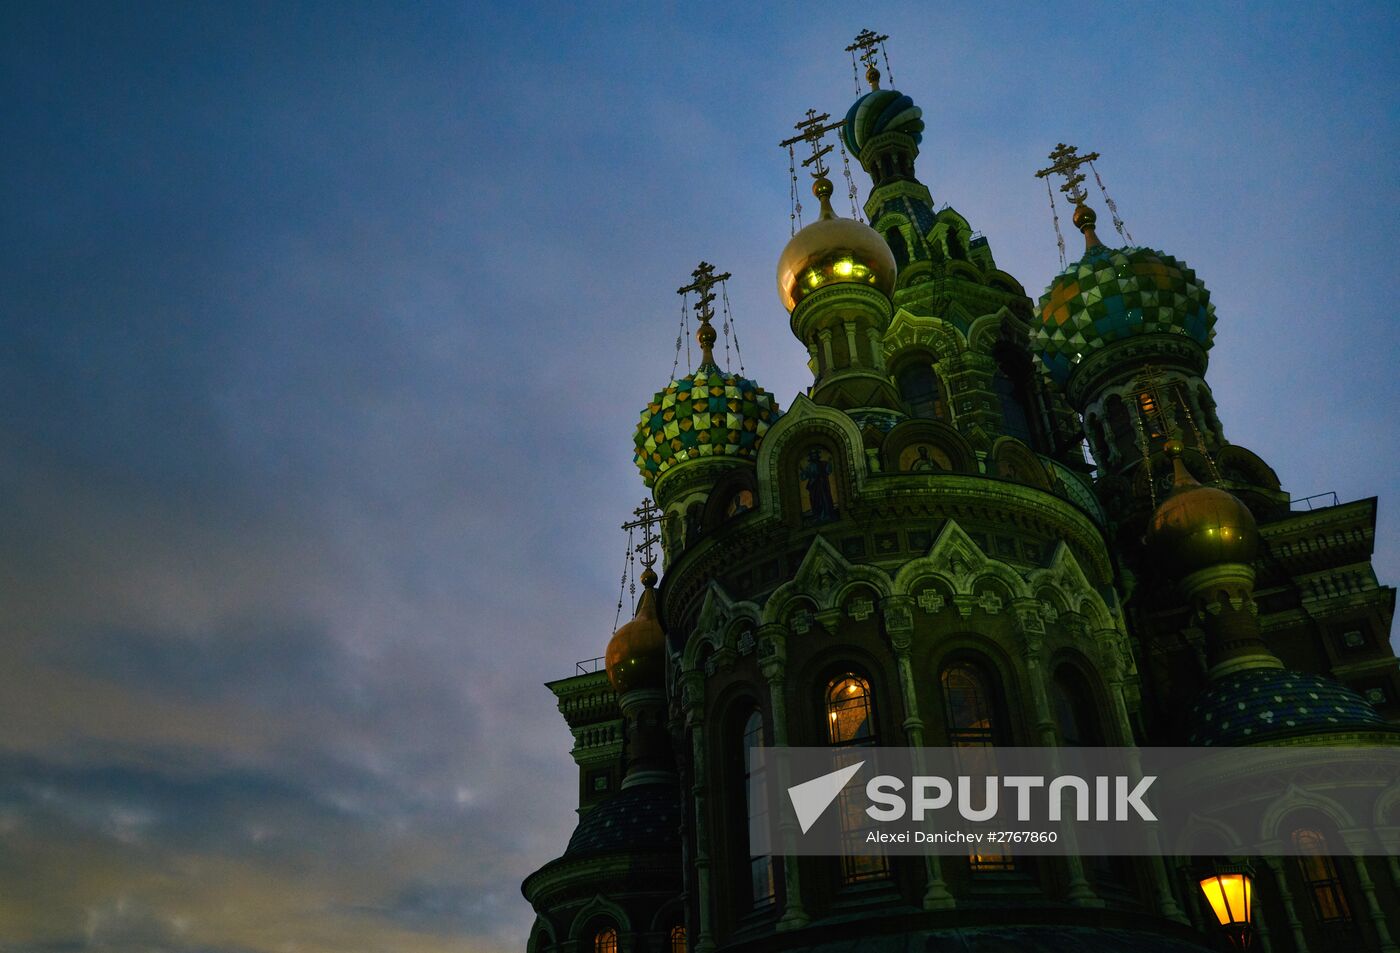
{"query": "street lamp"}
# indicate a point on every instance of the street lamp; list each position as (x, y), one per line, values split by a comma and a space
(1229, 889)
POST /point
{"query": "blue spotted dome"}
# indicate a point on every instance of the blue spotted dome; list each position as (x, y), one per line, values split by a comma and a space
(1114, 293)
(880, 111)
(1260, 705)
(642, 817)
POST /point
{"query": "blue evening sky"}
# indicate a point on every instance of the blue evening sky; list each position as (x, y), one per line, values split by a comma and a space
(324, 328)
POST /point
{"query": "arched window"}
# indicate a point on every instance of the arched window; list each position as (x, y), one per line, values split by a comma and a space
(849, 711)
(1120, 424)
(677, 940)
(1074, 708)
(1009, 383)
(850, 723)
(955, 245)
(1324, 884)
(967, 707)
(605, 940)
(763, 890)
(898, 246)
(971, 723)
(920, 390)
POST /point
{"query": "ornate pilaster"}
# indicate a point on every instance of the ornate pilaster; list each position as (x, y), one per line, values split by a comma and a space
(772, 662)
(1295, 924)
(899, 626)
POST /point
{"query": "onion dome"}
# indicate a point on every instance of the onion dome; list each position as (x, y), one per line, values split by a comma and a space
(710, 413)
(833, 250)
(1114, 293)
(880, 111)
(636, 655)
(1259, 705)
(1199, 526)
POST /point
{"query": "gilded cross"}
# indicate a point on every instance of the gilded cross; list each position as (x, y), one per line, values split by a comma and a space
(703, 284)
(648, 517)
(866, 42)
(1065, 161)
(811, 130)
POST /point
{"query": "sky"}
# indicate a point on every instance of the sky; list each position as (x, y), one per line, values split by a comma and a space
(324, 328)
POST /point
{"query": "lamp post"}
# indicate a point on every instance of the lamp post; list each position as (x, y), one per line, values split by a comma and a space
(1229, 889)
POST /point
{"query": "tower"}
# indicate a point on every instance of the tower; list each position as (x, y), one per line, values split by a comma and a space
(917, 553)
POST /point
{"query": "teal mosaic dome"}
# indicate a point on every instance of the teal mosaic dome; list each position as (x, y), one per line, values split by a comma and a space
(1260, 705)
(1114, 293)
(880, 111)
(706, 414)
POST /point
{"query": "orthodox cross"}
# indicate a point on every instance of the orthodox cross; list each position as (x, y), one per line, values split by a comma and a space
(705, 280)
(1065, 161)
(866, 42)
(648, 517)
(811, 130)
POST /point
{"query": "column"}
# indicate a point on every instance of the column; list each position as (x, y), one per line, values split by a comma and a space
(899, 625)
(772, 642)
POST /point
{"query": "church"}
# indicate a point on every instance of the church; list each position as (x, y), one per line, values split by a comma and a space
(992, 519)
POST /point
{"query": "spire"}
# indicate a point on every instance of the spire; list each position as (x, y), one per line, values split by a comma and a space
(703, 284)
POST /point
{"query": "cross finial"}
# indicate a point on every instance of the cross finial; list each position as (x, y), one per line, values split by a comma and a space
(1065, 161)
(866, 42)
(648, 517)
(811, 130)
(703, 285)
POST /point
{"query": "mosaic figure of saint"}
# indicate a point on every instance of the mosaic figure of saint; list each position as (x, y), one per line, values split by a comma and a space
(816, 477)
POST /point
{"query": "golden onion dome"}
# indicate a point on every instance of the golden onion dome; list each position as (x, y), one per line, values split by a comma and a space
(636, 654)
(832, 251)
(1199, 526)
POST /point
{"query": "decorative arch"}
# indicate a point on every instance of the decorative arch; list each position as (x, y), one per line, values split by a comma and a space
(1242, 465)
(1295, 801)
(591, 916)
(734, 494)
(807, 423)
(900, 453)
(823, 577)
(1011, 459)
(1207, 836)
(541, 936)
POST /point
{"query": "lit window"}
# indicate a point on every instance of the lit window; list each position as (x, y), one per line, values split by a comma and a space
(967, 714)
(763, 889)
(605, 941)
(677, 939)
(1320, 874)
(850, 723)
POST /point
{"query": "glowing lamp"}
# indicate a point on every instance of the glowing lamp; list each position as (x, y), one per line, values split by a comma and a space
(1229, 889)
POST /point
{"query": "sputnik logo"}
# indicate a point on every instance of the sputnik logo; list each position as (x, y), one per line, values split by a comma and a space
(810, 799)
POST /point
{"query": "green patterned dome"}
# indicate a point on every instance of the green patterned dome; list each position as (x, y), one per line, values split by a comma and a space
(706, 414)
(880, 111)
(1114, 293)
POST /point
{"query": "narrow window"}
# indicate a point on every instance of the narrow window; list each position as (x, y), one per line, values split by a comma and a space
(920, 390)
(677, 943)
(762, 884)
(1324, 884)
(968, 715)
(605, 941)
(1074, 709)
(1009, 383)
(850, 723)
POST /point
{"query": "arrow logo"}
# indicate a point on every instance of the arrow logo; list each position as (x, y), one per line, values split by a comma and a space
(811, 798)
